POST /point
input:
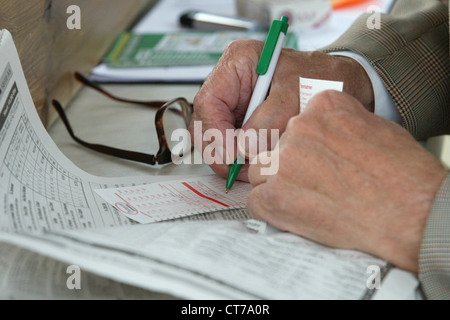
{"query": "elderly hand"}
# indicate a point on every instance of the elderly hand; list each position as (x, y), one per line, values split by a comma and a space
(349, 179)
(222, 101)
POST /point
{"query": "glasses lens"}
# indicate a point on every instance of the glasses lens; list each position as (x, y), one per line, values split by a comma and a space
(175, 121)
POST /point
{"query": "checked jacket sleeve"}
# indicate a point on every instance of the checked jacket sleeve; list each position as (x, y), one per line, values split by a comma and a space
(410, 52)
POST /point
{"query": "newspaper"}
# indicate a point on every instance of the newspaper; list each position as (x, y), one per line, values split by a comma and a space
(53, 221)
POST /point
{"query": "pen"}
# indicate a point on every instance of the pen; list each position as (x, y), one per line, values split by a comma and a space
(210, 22)
(266, 68)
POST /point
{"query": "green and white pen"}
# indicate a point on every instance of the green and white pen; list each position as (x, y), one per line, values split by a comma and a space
(266, 68)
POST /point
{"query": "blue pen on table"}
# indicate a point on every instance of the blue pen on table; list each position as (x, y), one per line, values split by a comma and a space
(266, 68)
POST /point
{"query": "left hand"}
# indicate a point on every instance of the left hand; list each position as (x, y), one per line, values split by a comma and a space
(222, 101)
(349, 179)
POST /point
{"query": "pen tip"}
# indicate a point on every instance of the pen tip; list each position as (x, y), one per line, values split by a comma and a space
(226, 191)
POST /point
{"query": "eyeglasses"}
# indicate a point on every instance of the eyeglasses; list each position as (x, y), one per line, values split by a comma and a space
(170, 115)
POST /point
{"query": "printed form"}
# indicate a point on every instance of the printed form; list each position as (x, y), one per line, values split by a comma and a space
(51, 215)
(41, 189)
(175, 199)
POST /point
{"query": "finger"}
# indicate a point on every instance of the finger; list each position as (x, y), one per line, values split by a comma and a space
(283, 99)
(269, 121)
(209, 143)
(255, 177)
(222, 102)
(293, 211)
(260, 206)
(227, 91)
(256, 205)
(263, 166)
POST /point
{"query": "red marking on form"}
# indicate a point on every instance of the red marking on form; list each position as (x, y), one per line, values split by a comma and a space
(137, 211)
(203, 196)
(120, 197)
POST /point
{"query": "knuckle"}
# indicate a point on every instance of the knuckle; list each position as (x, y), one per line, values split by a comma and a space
(300, 126)
(330, 101)
(232, 47)
(334, 110)
(237, 46)
(239, 53)
(294, 123)
(324, 101)
(346, 121)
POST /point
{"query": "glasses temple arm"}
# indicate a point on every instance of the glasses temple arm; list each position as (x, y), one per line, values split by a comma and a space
(87, 82)
(124, 154)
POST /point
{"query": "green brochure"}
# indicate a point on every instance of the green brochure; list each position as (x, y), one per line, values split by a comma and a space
(133, 50)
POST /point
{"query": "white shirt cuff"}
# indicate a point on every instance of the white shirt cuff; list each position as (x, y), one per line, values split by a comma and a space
(384, 105)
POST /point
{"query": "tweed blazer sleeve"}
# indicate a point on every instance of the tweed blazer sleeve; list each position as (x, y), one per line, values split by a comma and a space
(410, 52)
(434, 260)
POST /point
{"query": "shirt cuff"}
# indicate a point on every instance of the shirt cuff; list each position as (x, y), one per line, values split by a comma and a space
(384, 105)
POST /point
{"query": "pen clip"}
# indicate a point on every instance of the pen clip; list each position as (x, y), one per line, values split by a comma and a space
(271, 42)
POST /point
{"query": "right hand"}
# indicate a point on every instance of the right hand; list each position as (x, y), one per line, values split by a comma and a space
(222, 101)
(349, 179)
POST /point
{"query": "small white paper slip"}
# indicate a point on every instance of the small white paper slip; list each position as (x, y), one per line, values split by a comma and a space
(311, 87)
(176, 198)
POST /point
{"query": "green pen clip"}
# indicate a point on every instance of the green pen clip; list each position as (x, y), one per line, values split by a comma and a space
(271, 42)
